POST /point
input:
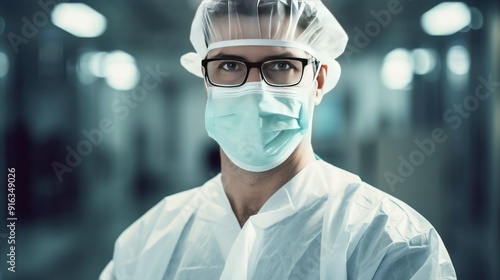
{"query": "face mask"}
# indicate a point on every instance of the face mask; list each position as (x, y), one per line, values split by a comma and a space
(257, 126)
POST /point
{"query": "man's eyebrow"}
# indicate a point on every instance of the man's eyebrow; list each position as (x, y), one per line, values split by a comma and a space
(237, 57)
(282, 55)
(227, 56)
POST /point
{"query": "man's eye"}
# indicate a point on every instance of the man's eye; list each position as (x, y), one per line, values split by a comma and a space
(230, 66)
(281, 66)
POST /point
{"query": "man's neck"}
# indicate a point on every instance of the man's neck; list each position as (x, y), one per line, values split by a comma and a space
(248, 191)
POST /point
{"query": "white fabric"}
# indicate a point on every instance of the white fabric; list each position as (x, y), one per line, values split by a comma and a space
(325, 223)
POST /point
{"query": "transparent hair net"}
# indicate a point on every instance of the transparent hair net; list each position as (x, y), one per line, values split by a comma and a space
(304, 24)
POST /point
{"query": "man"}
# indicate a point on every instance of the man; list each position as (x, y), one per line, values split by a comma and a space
(275, 211)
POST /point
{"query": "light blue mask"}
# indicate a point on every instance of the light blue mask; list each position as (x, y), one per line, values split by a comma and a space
(257, 126)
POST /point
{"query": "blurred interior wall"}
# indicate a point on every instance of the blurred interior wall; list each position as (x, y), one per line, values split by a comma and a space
(494, 53)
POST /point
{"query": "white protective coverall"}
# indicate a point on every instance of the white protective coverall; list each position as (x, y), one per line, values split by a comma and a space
(325, 223)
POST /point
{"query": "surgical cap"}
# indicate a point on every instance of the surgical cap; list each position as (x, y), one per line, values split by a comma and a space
(303, 24)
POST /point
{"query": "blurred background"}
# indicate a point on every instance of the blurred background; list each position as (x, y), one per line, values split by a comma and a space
(100, 121)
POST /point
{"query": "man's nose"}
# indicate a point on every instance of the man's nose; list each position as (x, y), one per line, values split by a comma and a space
(254, 75)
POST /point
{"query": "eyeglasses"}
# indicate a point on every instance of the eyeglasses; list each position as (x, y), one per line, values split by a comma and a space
(280, 72)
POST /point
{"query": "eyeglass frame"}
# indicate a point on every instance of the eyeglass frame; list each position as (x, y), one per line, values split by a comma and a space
(249, 65)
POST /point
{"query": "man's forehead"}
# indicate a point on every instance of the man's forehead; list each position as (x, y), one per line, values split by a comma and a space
(255, 53)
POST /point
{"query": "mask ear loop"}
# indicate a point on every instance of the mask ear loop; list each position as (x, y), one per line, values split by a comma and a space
(317, 64)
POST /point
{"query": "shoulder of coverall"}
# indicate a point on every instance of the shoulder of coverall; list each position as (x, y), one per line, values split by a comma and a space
(382, 228)
(172, 205)
(403, 243)
(372, 206)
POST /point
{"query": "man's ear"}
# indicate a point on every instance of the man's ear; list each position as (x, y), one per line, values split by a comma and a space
(322, 72)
